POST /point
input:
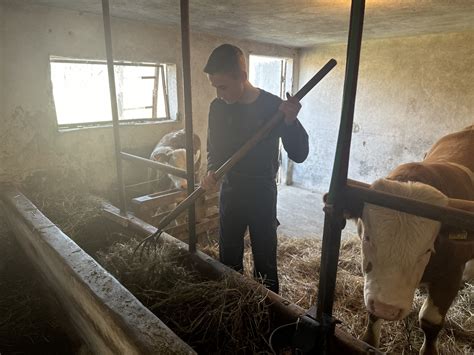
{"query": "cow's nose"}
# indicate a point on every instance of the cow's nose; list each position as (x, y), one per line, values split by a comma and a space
(383, 310)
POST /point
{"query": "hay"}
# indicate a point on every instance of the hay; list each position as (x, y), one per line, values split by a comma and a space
(65, 200)
(298, 263)
(212, 316)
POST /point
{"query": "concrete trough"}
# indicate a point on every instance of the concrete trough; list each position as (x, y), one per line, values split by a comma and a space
(105, 314)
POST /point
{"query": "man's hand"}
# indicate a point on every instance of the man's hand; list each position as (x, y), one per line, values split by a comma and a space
(209, 182)
(290, 108)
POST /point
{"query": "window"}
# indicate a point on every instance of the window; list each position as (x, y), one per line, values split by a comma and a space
(275, 75)
(272, 74)
(145, 91)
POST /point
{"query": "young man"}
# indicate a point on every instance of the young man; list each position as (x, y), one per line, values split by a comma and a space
(248, 192)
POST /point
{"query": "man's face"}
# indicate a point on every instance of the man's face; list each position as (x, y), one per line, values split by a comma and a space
(228, 87)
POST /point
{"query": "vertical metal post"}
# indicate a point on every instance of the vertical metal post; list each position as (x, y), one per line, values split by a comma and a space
(113, 103)
(333, 220)
(188, 118)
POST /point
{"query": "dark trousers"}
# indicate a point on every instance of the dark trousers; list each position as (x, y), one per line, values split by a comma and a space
(249, 203)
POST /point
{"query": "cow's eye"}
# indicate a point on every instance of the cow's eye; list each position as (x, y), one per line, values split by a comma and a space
(366, 238)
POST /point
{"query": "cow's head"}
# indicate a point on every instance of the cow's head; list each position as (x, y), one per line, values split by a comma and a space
(396, 248)
(177, 158)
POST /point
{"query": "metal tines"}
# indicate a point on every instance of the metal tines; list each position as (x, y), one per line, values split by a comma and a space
(148, 246)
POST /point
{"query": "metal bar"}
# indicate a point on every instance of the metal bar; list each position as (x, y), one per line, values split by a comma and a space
(164, 86)
(333, 222)
(447, 215)
(107, 123)
(252, 142)
(113, 103)
(188, 118)
(169, 169)
(101, 62)
(155, 93)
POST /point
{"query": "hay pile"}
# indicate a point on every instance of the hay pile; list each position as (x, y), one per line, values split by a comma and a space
(299, 276)
(220, 316)
(298, 263)
(65, 200)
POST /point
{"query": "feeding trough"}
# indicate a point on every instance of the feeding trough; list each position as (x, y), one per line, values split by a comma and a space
(105, 314)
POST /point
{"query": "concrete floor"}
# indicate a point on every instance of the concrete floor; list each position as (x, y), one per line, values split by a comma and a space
(301, 215)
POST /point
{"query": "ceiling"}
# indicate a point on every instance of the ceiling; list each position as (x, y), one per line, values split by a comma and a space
(293, 23)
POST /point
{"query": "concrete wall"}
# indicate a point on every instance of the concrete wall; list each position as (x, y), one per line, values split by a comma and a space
(411, 91)
(2, 50)
(29, 140)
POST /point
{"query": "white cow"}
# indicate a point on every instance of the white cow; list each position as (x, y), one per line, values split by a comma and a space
(171, 150)
(402, 251)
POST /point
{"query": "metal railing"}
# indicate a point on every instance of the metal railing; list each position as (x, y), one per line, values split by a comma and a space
(345, 193)
(120, 155)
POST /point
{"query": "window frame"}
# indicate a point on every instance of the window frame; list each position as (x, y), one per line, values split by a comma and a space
(165, 87)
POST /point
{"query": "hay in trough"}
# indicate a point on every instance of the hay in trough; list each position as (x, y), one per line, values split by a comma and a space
(213, 316)
(65, 200)
(298, 263)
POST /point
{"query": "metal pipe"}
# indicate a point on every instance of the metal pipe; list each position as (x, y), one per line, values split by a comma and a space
(169, 169)
(113, 103)
(188, 117)
(252, 142)
(447, 215)
(333, 222)
(101, 62)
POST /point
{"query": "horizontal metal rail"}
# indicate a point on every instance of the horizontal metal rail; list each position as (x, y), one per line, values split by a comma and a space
(355, 191)
(102, 62)
(154, 165)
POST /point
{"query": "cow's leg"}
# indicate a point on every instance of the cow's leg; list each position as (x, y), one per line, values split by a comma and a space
(372, 331)
(431, 322)
(441, 294)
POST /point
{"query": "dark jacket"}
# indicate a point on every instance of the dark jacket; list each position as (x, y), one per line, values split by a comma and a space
(231, 125)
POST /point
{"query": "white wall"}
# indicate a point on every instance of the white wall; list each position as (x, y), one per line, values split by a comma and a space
(29, 140)
(411, 91)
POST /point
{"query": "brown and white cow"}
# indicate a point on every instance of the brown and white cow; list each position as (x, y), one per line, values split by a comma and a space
(402, 251)
(171, 150)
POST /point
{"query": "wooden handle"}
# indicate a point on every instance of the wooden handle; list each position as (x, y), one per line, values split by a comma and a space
(252, 142)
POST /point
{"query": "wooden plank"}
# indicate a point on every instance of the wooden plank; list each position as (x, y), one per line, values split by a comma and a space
(206, 224)
(143, 204)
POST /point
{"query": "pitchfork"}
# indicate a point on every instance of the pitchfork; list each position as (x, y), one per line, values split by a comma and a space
(150, 242)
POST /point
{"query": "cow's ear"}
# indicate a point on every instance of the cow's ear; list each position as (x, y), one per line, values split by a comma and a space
(465, 205)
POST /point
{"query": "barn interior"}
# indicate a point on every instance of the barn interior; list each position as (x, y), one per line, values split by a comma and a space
(415, 85)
